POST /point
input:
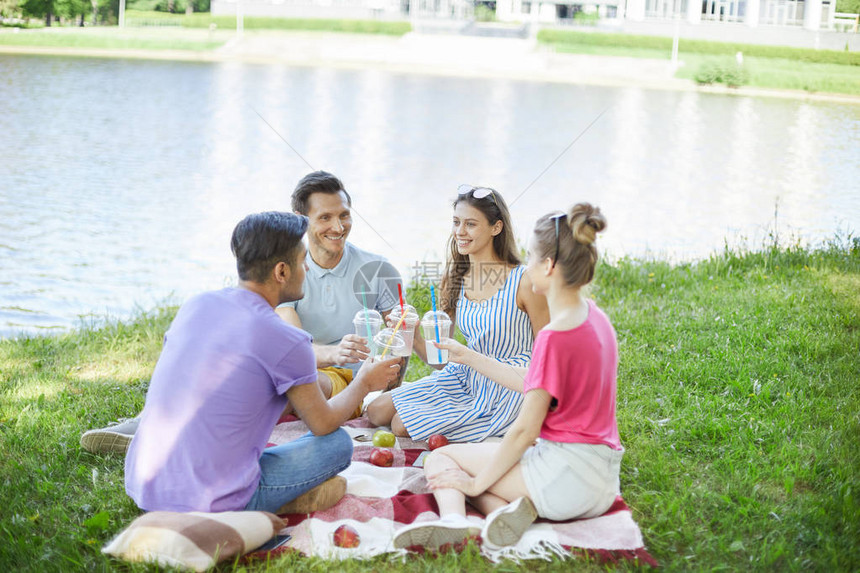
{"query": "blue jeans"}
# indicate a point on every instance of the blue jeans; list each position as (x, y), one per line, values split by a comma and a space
(291, 469)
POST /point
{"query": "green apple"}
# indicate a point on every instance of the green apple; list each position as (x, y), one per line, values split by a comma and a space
(383, 439)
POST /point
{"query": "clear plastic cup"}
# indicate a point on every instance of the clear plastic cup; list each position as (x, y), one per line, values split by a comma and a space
(363, 319)
(387, 344)
(407, 329)
(436, 326)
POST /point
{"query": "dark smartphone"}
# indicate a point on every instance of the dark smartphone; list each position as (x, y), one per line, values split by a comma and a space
(274, 543)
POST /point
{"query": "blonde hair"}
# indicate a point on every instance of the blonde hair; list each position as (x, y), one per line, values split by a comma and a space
(577, 232)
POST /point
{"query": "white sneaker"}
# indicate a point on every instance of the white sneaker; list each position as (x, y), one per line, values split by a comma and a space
(450, 529)
(506, 525)
(115, 438)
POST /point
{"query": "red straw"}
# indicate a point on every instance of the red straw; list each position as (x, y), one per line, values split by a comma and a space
(400, 292)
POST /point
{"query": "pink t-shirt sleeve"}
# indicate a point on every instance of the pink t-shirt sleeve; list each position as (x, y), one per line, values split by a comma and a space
(537, 375)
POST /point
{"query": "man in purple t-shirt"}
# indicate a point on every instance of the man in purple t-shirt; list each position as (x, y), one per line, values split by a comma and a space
(228, 369)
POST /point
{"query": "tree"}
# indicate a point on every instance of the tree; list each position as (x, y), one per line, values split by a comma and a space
(72, 9)
(9, 8)
(40, 9)
(52, 10)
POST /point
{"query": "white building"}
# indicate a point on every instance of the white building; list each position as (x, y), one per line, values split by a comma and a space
(811, 14)
(349, 9)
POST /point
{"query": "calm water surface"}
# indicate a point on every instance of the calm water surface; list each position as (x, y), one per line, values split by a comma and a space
(121, 181)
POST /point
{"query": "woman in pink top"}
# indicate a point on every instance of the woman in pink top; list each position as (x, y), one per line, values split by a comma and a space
(572, 470)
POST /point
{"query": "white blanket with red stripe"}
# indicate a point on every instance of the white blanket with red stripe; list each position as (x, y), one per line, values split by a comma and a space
(379, 501)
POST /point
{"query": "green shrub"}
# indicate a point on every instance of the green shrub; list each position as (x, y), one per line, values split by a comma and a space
(600, 39)
(586, 19)
(140, 5)
(164, 5)
(179, 6)
(722, 72)
(29, 23)
(484, 13)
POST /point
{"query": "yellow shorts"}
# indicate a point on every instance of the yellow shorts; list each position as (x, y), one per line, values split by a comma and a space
(340, 379)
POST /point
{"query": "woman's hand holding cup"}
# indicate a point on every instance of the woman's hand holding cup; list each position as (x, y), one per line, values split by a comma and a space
(457, 352)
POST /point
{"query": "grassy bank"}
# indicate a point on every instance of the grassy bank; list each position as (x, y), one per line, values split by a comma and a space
(738, 405)
(763, 66)
(116, 39)
(196, 32)
(205, 20)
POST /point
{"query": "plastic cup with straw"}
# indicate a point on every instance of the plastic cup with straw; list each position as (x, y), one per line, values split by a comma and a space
(436, 319)
(367, 322)
(436, 325)
(391, 337)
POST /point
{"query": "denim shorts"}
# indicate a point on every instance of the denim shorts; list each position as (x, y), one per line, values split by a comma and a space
(567, 481)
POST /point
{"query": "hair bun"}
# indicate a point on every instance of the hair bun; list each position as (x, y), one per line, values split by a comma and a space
(585, 222)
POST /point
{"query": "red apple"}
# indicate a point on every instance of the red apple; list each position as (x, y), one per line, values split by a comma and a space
(382, 457)
(346, 536)
(437, 441)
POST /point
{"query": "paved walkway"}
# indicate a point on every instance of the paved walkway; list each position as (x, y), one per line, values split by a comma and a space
(453, 55)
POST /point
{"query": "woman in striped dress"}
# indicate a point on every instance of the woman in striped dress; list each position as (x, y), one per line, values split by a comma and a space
(478, 393)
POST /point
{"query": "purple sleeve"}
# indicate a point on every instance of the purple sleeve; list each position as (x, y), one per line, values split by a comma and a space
(298, 366)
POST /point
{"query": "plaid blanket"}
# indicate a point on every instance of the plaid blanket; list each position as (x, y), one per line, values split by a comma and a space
(379, 501)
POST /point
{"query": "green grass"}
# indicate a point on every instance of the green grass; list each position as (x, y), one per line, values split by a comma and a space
(619, 51)
(779, 73)
(766, 66)
(571, 39)
(114, 38)
(163, 31)
(203, 20)
(738, 404)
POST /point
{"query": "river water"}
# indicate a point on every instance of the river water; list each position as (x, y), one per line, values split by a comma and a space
(121, 180)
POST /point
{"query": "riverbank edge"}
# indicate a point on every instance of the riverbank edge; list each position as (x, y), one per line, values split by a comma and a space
(552, 74)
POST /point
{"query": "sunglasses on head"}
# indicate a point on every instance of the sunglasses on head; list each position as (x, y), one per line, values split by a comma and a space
(477, 192)
(556, 218)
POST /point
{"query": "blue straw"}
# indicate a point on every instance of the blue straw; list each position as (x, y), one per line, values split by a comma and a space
(436, 319)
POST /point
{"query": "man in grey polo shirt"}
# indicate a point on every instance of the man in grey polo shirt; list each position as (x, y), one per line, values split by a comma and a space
(338, 272)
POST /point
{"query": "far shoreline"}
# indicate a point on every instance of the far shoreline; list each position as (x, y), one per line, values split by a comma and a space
(433, 55)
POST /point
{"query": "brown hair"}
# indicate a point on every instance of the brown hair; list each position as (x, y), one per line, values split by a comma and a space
(577, 231)
(494, 208)
(316, 182)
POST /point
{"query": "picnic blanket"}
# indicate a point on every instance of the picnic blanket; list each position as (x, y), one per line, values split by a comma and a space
(379, 501)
